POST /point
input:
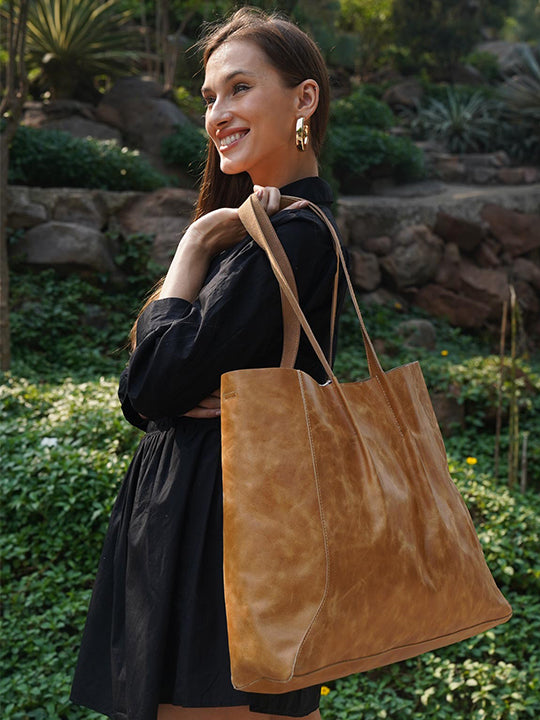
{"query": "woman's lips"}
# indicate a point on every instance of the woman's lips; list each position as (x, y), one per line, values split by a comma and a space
(231, 140)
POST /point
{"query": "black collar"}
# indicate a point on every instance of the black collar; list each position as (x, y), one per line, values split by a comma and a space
(315, 189)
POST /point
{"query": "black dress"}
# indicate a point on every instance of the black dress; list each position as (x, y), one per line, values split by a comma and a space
(156, 628)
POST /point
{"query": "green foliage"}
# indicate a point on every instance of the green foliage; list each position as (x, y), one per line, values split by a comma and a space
(486, 63)
(370, 23)
(361, 108)
(186, 148)
(192, 105)
(437, 34)
(524, 22)
(65, 447)
(73, 41)
(462, 124)
(357, 154)
(53, 158)
(521, 95)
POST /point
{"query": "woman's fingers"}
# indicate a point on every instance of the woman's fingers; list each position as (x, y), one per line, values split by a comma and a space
(270, 198)
(209, 407)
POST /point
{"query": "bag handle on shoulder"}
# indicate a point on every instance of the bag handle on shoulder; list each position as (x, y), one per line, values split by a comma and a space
(258, 225)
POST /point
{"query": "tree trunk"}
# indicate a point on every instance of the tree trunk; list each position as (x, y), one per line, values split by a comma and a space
(11, 106)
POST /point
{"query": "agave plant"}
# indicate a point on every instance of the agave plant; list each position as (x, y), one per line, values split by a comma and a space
(521, 91)
(73, 41)
(461, 123)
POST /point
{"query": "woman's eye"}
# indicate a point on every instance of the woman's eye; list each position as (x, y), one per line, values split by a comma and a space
(209, 100)
(240, 87)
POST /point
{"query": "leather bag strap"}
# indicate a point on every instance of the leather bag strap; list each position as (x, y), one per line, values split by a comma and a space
(258, 225)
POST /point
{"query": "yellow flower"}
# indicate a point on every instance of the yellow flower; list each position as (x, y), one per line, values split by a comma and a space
(471, 461)
(398, 306)
(325, 690)
(444, 353)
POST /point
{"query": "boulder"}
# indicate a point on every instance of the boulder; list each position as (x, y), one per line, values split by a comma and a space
(165, 214)
(528, 299)
(405, 94)
(82, 128)
(22, 211)
(378, 245)
(465, 234)
(518, 175)
(482, 175)
(508, 54)
(485, 256)
(366, 274)
(449, 168)
(65, 246)
(487, 286)
(136, 107)
(450, 413)
(81, 207)
(458, 309)
(497, 159)
(416, 255)
(517, 232)
(447, 273)
(527, 271)
(418, 333)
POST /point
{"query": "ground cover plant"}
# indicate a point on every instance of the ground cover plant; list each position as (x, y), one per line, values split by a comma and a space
(65, 447)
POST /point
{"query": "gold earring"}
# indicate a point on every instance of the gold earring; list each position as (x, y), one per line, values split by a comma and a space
(302, 134)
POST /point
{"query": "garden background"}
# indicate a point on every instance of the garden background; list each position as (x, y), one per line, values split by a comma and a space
(421, 89)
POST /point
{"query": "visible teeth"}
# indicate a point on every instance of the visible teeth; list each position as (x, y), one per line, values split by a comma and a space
(231, 138)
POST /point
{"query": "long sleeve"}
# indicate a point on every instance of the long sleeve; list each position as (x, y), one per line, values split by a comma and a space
(183, 348)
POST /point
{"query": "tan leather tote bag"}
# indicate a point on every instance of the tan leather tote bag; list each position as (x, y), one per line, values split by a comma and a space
(346, 543)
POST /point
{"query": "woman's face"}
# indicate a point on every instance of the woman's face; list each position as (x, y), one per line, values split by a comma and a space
(251, 115)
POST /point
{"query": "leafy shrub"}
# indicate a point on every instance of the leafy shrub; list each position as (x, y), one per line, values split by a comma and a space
(462, 124)
(486, 63)
(360, 108)
(53, 158)
(99, 41)
(186, 148)
(357, 153)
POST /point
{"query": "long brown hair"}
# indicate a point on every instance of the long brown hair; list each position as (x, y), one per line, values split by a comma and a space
(297, 58)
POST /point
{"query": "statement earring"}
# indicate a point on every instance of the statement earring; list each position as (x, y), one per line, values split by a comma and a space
(302, 134)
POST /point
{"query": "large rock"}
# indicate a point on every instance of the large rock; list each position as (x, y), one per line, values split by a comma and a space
(66, 245)
(136, 107)
(466, 234)
(366, 274)
(404, 94)
(508, 54)
(519, 233)
(447, 273)
(527, 271)
(22, 210)
(489, 287)
(81, 207)
(418, 333)
(83, 128)
(416, 255)
(165, 214)
(456, 308)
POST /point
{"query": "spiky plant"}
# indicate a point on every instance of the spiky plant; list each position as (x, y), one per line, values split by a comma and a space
(461, 123)
(73, 41)
(521, 91)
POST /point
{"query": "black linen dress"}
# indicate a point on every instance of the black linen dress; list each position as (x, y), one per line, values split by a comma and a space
(156, 627)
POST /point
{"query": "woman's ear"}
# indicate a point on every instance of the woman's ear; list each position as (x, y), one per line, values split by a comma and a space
(307, 98)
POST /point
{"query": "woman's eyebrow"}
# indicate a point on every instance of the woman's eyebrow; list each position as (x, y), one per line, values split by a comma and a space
(228, 78)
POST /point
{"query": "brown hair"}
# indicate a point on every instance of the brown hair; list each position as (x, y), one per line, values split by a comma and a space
(297, 58)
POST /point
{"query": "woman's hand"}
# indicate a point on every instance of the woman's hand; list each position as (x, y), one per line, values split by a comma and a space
(207, 408)
(208, 236)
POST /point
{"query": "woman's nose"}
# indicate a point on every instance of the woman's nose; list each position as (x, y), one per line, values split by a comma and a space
(220, 113)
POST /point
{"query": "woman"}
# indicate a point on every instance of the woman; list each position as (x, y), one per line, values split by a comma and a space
(155, 643)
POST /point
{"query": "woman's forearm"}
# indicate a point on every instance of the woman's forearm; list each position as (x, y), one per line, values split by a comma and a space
(187, 271)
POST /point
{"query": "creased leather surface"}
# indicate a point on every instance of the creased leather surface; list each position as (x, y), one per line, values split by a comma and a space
(346, 543)
(342, 552)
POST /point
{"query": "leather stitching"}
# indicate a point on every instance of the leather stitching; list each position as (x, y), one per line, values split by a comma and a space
(323, 523)
(390, 406)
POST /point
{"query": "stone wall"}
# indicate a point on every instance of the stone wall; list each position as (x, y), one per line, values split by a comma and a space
(451, 250)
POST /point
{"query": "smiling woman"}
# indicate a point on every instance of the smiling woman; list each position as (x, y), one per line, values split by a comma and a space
(155, 643)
